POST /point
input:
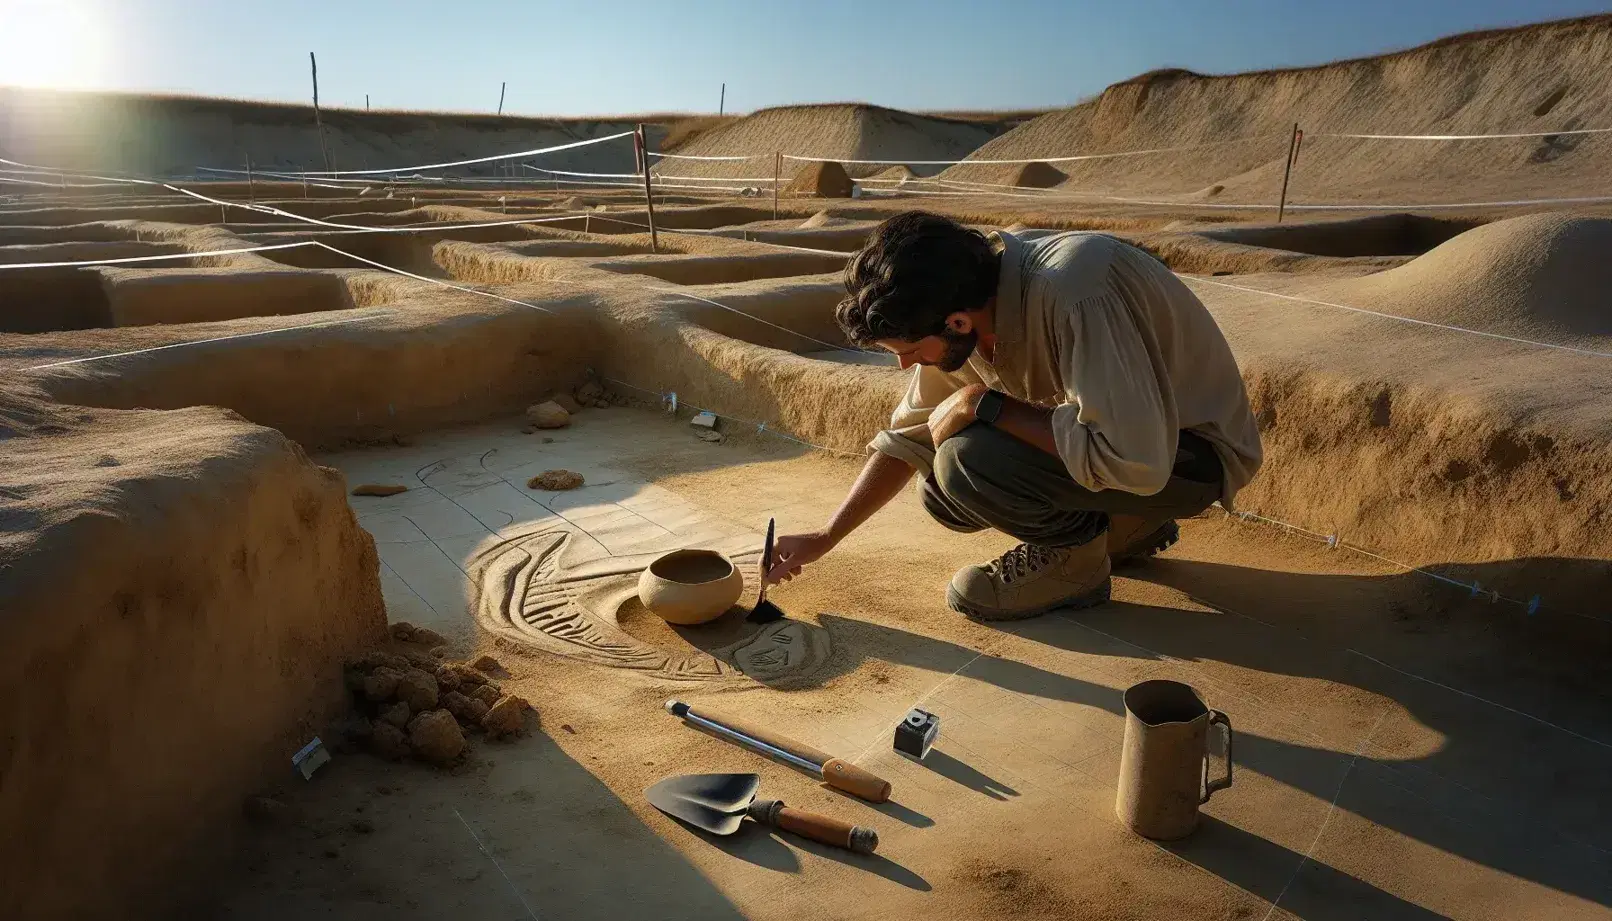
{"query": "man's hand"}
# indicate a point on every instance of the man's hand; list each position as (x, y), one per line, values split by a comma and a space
(793, 551)
(955, 413)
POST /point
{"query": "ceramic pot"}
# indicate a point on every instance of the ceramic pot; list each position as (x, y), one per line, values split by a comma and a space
(690, 586)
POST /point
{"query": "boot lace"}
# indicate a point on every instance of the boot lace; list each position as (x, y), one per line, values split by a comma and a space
(1023, 560)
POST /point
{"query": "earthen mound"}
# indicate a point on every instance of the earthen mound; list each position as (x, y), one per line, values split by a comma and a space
(1038, 176)
(822, 180)
(843, 131)
(1543, 276)
(825, 219)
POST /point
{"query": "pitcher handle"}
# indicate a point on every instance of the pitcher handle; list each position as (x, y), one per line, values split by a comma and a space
(1210, 786)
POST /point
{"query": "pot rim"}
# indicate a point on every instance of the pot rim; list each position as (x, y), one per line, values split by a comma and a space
(691, 552)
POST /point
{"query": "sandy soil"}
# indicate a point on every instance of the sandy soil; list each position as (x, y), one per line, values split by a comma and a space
(1383, 770)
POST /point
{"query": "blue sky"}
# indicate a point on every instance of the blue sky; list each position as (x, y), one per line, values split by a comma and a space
(619, 56)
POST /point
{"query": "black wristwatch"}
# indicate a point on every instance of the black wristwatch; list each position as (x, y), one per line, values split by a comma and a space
(990, 406)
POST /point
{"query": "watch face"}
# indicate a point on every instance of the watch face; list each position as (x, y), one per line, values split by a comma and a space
(990, 406)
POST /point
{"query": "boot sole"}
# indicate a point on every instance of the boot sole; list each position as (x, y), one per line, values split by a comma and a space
(1162, 539)
(1096, 596)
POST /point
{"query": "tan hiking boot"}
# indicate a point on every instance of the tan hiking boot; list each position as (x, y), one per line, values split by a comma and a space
(1133, 538)
(1029, 581)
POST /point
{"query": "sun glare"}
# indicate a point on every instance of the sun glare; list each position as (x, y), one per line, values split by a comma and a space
(54, 43)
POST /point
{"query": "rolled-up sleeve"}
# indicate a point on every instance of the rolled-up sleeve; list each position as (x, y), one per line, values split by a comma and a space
(1117, 428)
(908, 438)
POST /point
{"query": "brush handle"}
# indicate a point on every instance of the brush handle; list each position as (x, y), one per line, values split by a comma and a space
(819, 828)
(845, 776)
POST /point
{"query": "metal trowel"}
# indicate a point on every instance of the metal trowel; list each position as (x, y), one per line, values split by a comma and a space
(718, 803)
(765, 612)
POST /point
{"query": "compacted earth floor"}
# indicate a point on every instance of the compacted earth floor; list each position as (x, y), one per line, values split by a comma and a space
(1398, 753)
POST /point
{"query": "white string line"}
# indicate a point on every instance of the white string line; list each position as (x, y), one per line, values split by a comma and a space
(762, 428)
(123, 260)
(1390, 316)
(672, 156)
(1068, 159)
(500, 867)
(424, 166)
(176, 345)
(434, 281)
(1456, 137)
(1331, 808)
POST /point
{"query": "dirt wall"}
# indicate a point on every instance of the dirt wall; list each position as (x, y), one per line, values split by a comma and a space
(176, 635)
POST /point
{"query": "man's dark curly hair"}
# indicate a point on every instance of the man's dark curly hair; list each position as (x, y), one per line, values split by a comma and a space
(916, 270)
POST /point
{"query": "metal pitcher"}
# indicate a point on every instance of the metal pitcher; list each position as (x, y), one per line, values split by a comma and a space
(1164, 766)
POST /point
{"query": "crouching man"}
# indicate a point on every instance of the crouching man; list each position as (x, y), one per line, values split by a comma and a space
(1069, 391)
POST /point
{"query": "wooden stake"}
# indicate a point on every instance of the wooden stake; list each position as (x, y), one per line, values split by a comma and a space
(777, 174)
(317, 121)
(1287, 170)
(642, 145)
(501, 87)
(251, 186)
(722, 101)
(366, 102)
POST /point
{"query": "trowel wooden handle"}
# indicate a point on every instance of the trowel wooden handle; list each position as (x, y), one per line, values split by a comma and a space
(843, 775)
(820, 828)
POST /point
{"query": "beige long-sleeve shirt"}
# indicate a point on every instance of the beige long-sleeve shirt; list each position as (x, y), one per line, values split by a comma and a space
(1120, 349)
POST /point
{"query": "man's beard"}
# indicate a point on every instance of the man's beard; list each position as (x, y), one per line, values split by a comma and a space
(959, 346)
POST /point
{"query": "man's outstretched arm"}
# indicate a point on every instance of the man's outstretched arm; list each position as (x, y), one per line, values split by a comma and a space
(881, 480)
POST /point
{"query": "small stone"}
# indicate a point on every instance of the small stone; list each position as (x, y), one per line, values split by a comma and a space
(529, 429)
(417, 689)
(487, 664)
(363, 826)
(487, 694)
(265, 811)
(397, 714)
(555, 480)
(441, 652)
(378, 489)
(589, 392)
(447, 678)
(403, 630)
(507, 717)
(566, 402)
(388, 742)
(601, 404)
(381, 684)
(548, 415)
(435, 736)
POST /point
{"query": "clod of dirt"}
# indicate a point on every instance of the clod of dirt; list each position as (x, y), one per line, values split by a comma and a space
(555, 480)
(397, 714)
(440, 652)
(425, 636)
(589, 393)
(381, 684)
(507, 717)
(378, 489)
(435, 736)
(107, 460)
(487, 664)
(528, 429)
(487, 694)
(453, 676)
(548, 415)
(388, 742)
(568, 403)
(423, 661)
(374, 659)
(417, 689)
(403, 630)
(265, 811)
(464, 709)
